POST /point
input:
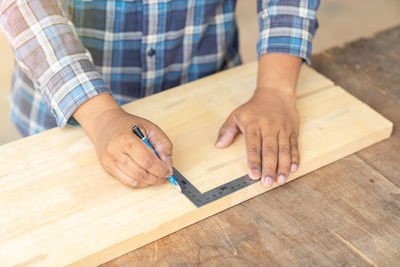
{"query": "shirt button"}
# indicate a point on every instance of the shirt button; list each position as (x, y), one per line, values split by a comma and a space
(151, 52)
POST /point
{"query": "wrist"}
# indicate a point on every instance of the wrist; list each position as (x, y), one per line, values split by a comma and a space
(277, 75)
(92, 114)
(286, 94)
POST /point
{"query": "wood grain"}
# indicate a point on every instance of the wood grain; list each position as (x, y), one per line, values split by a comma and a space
(369, 69)
(345, 214)
(59, 207)
(262, 231)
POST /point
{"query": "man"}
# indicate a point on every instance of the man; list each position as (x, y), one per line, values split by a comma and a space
(78, 61)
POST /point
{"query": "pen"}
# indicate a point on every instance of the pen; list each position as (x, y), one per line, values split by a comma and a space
(137, 131)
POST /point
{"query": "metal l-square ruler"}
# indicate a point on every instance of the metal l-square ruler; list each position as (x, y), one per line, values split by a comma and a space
(199, 199)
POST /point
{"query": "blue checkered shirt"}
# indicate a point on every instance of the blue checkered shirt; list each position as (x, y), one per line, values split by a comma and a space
(68, 51)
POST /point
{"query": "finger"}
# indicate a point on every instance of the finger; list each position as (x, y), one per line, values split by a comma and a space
(283, 157)
(123, 177)
(295, 155)
(253, 145)
(145, 157)
(269, 158)
(227, 133)
(128, 165)
(161, 144)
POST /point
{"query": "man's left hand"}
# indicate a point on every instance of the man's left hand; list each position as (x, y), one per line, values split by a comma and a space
(270, 124)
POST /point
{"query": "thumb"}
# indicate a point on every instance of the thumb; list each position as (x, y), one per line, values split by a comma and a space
(227, 133)
(161, 144)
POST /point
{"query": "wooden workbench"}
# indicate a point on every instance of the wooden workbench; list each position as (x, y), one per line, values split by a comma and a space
(347, 213)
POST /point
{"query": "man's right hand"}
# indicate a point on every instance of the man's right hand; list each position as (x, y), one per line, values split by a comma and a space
(121, 153)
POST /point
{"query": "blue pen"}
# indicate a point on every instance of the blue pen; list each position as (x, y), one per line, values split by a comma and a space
(137, 131)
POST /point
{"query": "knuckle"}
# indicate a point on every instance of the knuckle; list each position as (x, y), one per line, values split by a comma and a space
(165, 146)
(284, 127)
(294, 146)
(253, 133)
(124, 162)
(251, 127)
(125, 135)
(121, 138)
(114, 160)
(129, 146)
(270, 134)
(221, 130)
(273, 124)
(108, 151)
(254, 162)
(147, 164)
(166, 173)
(294, 135)
(134, 183)
(270, 131)
(166, 142)
(284, 166)
(254, 150)
(170, 145)
(140, 175)
(270, 123)
(270, 149)
(295, 158)
(284, 149)
(269, 170)
(256, 135)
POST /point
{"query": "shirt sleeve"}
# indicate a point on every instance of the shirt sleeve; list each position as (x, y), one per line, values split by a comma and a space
(48, 50)
(287, 26)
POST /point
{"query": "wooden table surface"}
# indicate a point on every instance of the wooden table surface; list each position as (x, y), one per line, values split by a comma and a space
(347, 213)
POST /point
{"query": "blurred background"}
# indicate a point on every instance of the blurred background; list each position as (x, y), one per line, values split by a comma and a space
(340, 21)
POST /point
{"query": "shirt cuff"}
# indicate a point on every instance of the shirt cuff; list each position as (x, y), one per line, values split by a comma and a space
(287, 34)
(70, 87)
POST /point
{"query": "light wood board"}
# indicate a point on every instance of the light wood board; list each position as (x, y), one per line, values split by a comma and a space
(59, 207)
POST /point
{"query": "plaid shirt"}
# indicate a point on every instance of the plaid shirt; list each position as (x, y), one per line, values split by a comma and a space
(68, 51)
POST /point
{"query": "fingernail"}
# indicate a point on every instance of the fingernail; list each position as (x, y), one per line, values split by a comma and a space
(293, 167)
(218, 140)
(268, 181)
(255, 174)
(281, 179)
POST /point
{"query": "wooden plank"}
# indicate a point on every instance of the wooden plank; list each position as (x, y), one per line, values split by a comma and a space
(60, 207)
(345, 214)
(368, 69)
(246, 235)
